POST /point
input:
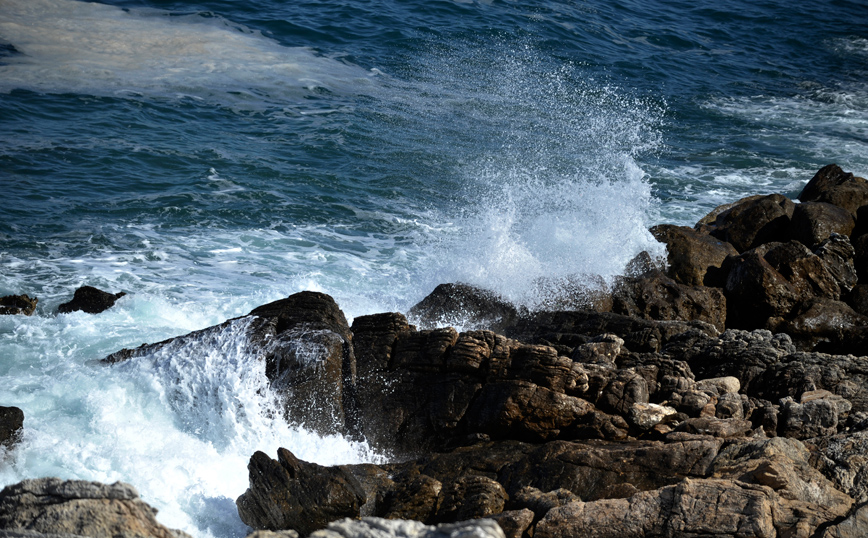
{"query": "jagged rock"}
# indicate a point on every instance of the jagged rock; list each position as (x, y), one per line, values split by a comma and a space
(11, 425)
(17, 304)
(819, 320)
(784, 466)
(797, 373)
(843, 459)
(806, 272)
(809, 419)
(52, 506)
(413, 497)
(471, 497)
(289, 493)
(574, 328)
(91, 300)
(539, 503)
(716, 427)
(514, 523)
(858, 298)
(658, 297)
(755, 292)
(371, 527)
(742, 354)
(832, 185)
(462, 305)
(695, 259)
(592, 469)
(838, 256)
(691, 508)
(855, 526)
(753, 221)
(814, 222)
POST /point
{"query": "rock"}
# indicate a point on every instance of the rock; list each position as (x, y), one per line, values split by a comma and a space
(832, 185)
(273, 534)
(514, 523)
(11, 425)
(289, 493)
(658, 297)
(753, 221)
(819, 320)
(806, 272)
(17, 304)
(51, 506)
(573, 328)
(810, 419)
(471, 497)
(858, 298)
(91, 300)
(838, 256)
(462, 305)
(719, 385)
(539, 503)
(843, 458)
(413, 497)
(784, 466)
(575, 292)
(647, 415)
(691, 508)
(695, 259)
(716, 427)
(855, 526)
(814, 222)
(860, 257)
(756, 291)
(371, 527)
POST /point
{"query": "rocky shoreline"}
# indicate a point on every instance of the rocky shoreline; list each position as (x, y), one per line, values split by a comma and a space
(720, 392)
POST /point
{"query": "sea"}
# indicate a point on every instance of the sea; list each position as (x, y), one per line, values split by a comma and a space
(207, 157)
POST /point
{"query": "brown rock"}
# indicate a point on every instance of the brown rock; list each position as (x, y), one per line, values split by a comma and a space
(471, 497)
(514, 523)
(530, 498)
(716, 427)
(838, 256)
(52, 506)
(17, 304)
(695, 259)
(820, 320)
(814, 222)
(755, 292)
(753, 221)
(658, 297)
(289, 493)
(860, 257)
(832, 185)
(417, 498)
(854, 526)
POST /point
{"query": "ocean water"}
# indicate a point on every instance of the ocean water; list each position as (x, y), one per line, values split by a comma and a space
(208, 157)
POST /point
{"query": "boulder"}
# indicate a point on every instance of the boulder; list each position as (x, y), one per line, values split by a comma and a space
(832, 185)
(471, 497)
(289, 493)
(695, 259)
(819, 320)
(17, 304)
(658, 297)
(814, 222)
(11, 425)
(838, 256)
(843, 459)
(756, 291)
(465, 306)
(91, 300)
(51, 506)
(372, 527)
(514, 523)
(752, 221)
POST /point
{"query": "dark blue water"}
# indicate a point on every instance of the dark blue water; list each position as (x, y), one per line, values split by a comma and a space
(207, 157)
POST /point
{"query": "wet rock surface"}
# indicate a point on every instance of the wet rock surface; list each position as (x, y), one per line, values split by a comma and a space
(724, 395)
(91, 300)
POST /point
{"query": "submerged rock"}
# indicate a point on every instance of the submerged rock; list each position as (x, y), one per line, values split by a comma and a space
(11, 424)
(11, 305)
(91, 300)
(51, 506)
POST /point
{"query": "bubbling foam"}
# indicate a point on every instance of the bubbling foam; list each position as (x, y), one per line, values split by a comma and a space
(85, 47)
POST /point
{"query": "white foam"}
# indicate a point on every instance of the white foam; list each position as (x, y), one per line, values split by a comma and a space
(86, 47)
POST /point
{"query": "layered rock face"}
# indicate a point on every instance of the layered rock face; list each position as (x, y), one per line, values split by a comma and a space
(723, 395)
